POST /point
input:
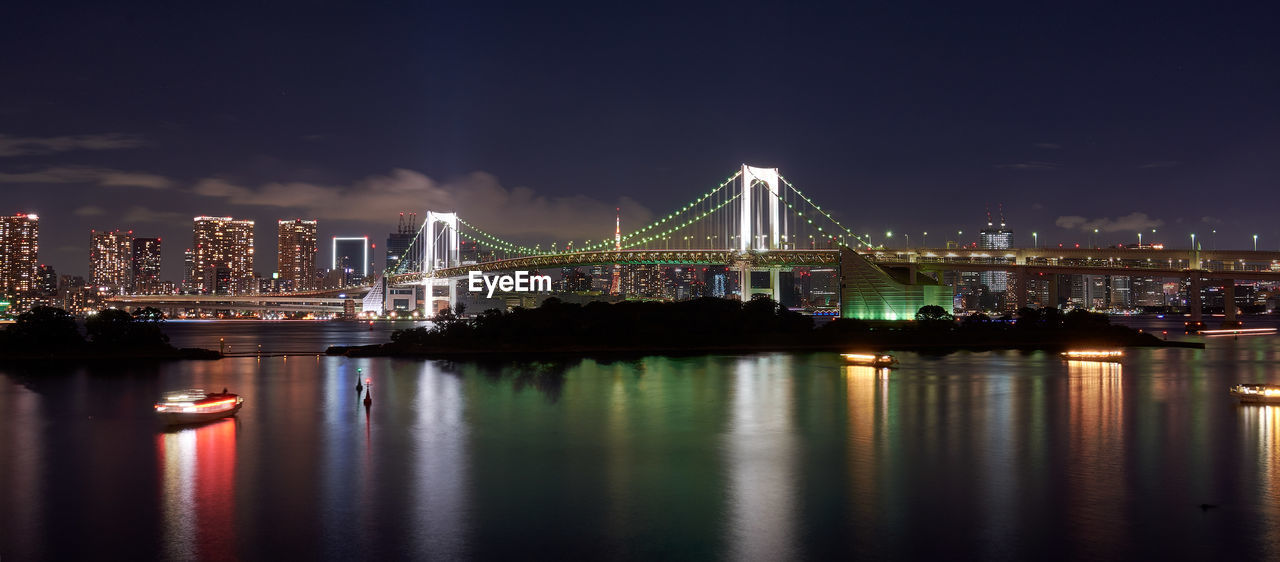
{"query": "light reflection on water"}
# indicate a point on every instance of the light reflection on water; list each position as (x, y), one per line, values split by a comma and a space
(760, 456)
(772, 456)
(197, 491)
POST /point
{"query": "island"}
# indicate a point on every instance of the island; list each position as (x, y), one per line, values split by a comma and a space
(47, 333)
(711, 325)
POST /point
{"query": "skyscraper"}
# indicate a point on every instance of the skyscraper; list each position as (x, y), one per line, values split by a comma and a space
(111, 261)
(991, 238)
(47, 283)
(398, 244)
(222, 243)
(19, 249)
(297, 253)
(188, 271)
(146, 265)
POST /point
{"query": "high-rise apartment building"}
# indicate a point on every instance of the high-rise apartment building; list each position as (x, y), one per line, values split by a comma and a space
(297, 254)
(146, 266)
(111, 261)
(222, 255)
(19, 249)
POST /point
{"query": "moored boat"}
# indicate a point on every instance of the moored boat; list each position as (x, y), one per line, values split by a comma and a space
(196, 406)
(1104, 355)
(882, 360)
(1263, 393)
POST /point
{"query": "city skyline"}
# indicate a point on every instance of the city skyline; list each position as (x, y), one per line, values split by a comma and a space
(1130, 128)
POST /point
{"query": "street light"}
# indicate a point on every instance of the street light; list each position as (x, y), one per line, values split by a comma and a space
(887, 235)
(925, 241)
(1139, 239)
(1035, 240)
(1193, 241)
(1255, 242)
(1095, 238)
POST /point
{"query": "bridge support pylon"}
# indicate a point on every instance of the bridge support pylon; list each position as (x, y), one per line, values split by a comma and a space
(1229, 319)
(440, 250)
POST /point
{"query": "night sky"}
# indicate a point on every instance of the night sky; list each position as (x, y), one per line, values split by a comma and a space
(535, 120)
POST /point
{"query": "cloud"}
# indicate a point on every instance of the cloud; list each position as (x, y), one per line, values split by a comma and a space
(1210, 220)
(1160, 164)
(1047, 145)
(89, 175)
(478, 198)
(137, 214)
(1130, 222)
(88, 211)
(1030, 165)
(23, 146)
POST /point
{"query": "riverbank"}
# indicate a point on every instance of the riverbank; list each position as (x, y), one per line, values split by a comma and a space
(889, 340)
(716, 326)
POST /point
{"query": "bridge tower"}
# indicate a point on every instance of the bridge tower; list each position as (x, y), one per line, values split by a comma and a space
(440, 249)
(759, 230)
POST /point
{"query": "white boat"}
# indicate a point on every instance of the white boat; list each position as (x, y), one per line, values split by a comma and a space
(1261, 393)
(1104, 355)
(197, 406)
(880, 360)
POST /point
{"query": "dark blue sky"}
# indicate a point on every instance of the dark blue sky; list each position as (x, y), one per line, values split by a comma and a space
(537, 119)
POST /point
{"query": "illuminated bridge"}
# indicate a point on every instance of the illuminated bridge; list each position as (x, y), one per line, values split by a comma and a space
(755, 220)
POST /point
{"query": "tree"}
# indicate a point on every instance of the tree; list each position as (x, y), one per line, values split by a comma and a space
(933, 313)
(115, 328)
(1083, 320)
(1027, 317)
(44, 328)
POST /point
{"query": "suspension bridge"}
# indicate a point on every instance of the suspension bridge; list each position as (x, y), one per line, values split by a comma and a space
(756, 222)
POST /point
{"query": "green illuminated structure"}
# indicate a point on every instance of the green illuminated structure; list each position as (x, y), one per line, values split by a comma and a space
(869, 292)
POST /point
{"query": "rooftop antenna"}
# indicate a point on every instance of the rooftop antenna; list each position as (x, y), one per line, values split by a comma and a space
(1001, 216)
(988, 215)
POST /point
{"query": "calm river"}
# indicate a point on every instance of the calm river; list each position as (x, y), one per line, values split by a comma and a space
(998, 455)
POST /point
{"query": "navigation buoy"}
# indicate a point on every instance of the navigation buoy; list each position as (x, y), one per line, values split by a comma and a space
(368, 398)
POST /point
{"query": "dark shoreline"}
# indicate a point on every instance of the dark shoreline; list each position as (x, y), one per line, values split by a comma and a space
(523, 352)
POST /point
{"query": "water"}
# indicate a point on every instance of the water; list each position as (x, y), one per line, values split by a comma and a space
(999, 455)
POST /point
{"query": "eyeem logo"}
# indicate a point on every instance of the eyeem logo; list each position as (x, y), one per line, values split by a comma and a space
(522, 281)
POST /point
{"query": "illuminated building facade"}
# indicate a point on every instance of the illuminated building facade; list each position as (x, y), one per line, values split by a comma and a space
(350, 256)
(297, 253)
(146, 266)
(111, 261)
(869, 292)
(222, 243)
(19, 250)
